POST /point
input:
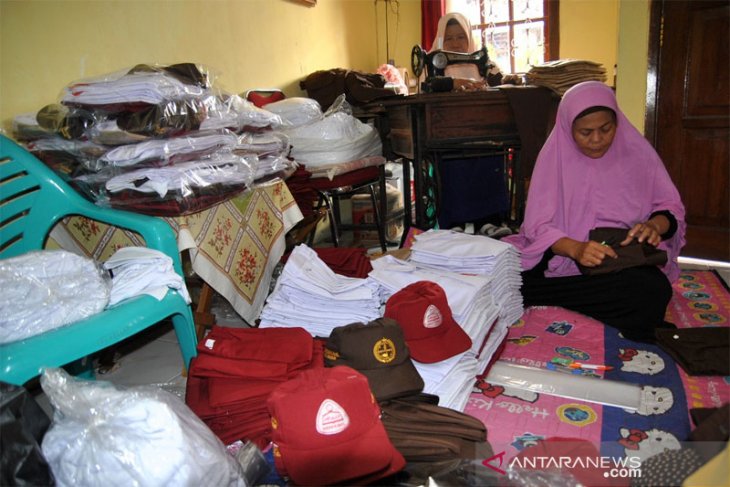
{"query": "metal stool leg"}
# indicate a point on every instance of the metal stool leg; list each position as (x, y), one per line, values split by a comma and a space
(379, 220)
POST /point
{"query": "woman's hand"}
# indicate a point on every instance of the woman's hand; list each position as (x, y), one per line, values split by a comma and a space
(649, 231)
(588, 254)
(462, 84)
(592, 254)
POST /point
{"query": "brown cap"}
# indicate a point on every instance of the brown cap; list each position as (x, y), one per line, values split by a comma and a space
(378, 351)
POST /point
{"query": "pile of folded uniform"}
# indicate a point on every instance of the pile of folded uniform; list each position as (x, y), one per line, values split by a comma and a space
(161, 140)
(310, 295)
(235, 371)
(492, 259)
(561, 74)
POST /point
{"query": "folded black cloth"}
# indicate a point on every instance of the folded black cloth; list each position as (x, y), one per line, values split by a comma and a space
(699, 351)
(634, 254)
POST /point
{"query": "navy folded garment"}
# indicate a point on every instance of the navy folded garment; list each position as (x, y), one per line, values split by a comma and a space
(472, 189)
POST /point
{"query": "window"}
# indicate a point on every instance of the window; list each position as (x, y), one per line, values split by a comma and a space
(517, 33)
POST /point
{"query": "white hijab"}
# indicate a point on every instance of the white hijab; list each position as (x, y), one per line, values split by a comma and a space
(467, 71)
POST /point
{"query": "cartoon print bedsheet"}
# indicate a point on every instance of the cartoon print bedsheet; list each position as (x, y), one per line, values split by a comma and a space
(515, 419)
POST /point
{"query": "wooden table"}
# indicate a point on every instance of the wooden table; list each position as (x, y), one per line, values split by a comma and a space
(513, 121)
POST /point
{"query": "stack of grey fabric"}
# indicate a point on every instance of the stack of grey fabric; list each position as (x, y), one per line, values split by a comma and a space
(561, 74)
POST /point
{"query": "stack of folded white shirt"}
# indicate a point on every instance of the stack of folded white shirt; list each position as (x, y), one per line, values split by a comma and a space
(141, 87)
(472, 308)
(469, 296)
(310, 295)
(451, 379)
(141, 270)
(165, 151)
(484, 256)
(186, 177)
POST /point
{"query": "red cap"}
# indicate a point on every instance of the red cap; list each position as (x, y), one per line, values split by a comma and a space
(423, 312)
(327, 429)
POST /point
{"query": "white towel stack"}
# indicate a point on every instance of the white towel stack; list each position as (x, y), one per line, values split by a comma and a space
(310, 295)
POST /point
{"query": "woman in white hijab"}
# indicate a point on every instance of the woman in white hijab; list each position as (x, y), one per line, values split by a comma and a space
(454, 34)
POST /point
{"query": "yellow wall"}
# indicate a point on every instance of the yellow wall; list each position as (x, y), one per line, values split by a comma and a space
(589, 30)
(46, 44)
(633, 55)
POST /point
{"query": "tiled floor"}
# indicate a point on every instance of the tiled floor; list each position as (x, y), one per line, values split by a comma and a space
(154, 357)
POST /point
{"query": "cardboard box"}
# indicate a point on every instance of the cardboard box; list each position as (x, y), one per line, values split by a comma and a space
(362, 212)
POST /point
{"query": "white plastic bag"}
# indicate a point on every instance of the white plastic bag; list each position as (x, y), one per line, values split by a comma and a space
(46, 289)
(141, 436)
(296, 111)
(337, 137)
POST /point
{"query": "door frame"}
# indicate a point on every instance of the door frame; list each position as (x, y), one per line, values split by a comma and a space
(656, 13)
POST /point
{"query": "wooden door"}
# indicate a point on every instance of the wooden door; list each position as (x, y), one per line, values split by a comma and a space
(688, 114)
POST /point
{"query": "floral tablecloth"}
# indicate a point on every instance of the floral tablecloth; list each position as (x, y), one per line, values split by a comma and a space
(234, 246)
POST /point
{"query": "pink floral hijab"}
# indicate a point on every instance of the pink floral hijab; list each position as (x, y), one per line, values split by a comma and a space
(571, 193)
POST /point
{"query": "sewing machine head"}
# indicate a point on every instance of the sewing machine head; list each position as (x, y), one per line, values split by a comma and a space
(436, 62)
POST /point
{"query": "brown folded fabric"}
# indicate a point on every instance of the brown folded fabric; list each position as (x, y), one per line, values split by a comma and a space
(699, 351)
(425, 432)
(634, 254)
(711, 435)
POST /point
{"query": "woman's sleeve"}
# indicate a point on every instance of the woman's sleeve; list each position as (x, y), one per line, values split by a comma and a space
(672, 223)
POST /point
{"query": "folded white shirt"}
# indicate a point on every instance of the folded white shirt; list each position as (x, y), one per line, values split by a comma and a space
(142, 87)
(141, 270)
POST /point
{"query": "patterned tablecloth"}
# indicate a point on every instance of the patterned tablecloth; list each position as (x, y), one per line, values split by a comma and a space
(234, 246)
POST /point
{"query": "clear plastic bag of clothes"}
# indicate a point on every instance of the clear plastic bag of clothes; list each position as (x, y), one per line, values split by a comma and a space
(46, 289)
(296, 111)
(174, 190)
(337, 137)
(141, 436)
(164, 152)
(143, 84)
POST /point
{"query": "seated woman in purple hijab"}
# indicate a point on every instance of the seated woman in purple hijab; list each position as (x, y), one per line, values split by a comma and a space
(597, 170)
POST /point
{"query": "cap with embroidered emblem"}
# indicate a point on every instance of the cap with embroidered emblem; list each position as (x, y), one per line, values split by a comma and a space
(327, 429)
(378, 350)
(424, 314)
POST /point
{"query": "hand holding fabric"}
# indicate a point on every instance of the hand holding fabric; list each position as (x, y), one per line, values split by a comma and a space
(649, 231)
(587, 254)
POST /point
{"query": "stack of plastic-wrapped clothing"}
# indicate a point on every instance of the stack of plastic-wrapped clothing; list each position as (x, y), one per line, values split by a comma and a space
(160, 140)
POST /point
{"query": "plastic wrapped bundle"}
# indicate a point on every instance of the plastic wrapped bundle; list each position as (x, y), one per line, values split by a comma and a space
(237, 114)
(142, 436)
(296, 111)
(47, 289)
(163, 152)
(174, 190)
(139, 86)
(337, 137)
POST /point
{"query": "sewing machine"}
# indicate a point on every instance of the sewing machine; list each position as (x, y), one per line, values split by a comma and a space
(436, 62)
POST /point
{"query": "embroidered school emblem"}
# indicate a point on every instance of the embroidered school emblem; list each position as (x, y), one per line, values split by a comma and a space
(432, 317)
(331, 418)
(384, 350)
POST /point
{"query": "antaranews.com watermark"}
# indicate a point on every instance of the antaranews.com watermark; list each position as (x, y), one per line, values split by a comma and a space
(621, 468)
(627, 467)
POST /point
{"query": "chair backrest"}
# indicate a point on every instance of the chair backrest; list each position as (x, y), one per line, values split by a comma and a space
(32, 199)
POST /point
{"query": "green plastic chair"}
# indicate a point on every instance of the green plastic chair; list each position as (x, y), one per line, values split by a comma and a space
(33, 198)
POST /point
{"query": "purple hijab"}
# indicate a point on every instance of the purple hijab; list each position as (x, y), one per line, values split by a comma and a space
(570, 193)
